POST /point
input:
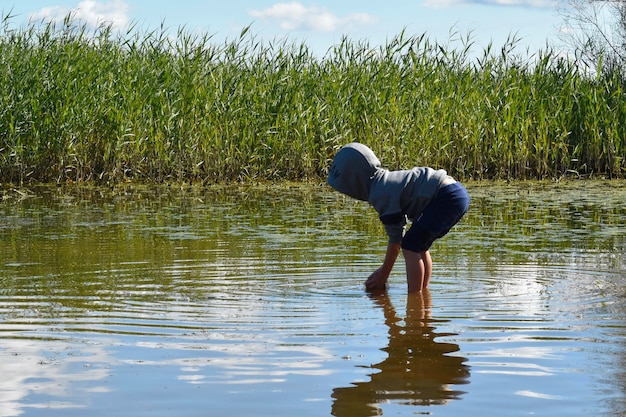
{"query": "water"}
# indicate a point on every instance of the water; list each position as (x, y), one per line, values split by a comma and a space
(248, 301)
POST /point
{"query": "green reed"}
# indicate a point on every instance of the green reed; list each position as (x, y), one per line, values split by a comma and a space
(80, 105)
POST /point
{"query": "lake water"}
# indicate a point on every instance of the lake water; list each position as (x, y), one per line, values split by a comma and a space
(249, 301)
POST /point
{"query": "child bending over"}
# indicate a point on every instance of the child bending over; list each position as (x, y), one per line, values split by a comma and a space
(430, 199)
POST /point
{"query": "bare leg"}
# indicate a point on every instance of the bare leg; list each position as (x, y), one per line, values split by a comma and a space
(418, 269)
(428, 268)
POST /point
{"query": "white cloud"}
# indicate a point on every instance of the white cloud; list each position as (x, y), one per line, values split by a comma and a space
(526, 3)
(295, 16)
(91, 12)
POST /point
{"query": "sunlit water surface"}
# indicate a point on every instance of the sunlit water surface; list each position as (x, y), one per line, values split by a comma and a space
(248, 301)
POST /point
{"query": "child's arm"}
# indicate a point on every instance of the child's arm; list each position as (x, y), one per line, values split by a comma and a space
(378, 279)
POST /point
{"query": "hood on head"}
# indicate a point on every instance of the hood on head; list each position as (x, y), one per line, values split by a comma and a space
(352, 170)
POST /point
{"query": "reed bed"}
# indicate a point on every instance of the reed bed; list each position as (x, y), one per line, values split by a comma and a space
(81, 105)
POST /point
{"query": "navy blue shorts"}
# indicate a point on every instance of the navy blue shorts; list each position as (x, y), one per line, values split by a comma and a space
(444, 211)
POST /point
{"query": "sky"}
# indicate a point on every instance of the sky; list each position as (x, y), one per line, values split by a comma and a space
(318, 23)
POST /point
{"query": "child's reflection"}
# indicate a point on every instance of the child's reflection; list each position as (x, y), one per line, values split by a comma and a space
(417, 371)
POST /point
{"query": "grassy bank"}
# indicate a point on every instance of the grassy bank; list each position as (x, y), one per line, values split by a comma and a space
(79, 106)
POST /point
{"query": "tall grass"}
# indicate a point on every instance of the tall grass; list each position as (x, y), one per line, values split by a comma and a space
(77, 105)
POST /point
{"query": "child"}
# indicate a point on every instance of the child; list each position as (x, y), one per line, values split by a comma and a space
(431, 200)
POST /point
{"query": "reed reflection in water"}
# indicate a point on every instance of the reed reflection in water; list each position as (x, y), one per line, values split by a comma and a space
(249, 301)
(418, 370)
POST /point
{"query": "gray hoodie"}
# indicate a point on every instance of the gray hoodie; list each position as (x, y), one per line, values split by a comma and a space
(395, 195)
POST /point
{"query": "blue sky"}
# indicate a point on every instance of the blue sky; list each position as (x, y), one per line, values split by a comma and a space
(319, 23)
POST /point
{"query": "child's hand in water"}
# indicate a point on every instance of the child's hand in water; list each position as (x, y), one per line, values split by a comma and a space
(376, 281)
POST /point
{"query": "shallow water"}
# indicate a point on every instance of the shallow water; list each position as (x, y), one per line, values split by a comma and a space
(248, 301)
